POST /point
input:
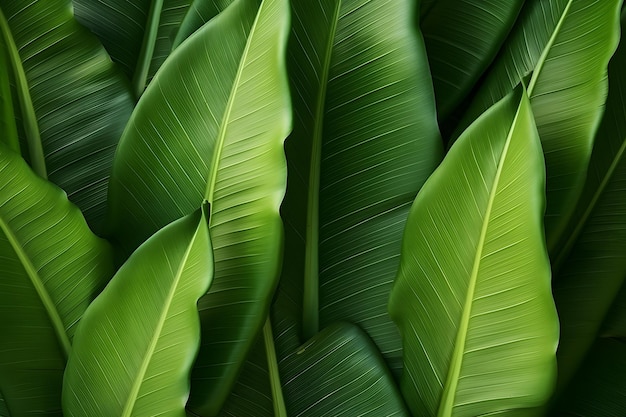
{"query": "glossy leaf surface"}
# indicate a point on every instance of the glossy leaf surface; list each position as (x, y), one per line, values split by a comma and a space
(211, 125)
(74, 102)
(137, 342)
(52, 267)
(566, 45)
(365, 139)
(462, 38)
(472, 298)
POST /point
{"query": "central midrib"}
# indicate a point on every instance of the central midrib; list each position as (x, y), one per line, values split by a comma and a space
(447, 400)
(221, 137)
(40, 288)
(147, 48)
(310, 302)
(134, 391)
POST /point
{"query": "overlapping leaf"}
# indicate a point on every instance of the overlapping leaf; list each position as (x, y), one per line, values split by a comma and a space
(365, 139)
(462, 38)
(472, 297)
(137, 342)
(211, 125)
(591, 267)
(52, 267)
(73, 101)
(566, 45)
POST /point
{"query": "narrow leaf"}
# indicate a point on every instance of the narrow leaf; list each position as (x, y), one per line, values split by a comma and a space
(74, 103)
(136, 344)
(211, 125)
(52, 267)
(472, 298)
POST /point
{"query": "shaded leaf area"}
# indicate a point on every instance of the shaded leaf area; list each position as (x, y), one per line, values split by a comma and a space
(339, 372)
(565, 47)
(615, 323)
(8, 127)
(52, 268)
(590, 269)
(462, 38)
(365, 139)
(137, 341)
(140, 35)
(73, 101)
(4, 412)
(599, 388)
(472, 298)
(211, 125)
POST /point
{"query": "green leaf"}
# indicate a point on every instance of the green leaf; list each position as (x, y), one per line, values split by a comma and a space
(591, 267)
(52, 267)
(4, 412)
(462, 38)
(136, 344)
(365, 139)
(472, 298)
(615, 323)
(566, 45)
(73, 101)
(599, 387)
(212, 126)
(340, 372)
(141, 34)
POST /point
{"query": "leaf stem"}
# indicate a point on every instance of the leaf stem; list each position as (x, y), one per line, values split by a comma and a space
(7, 123)
(31, 126)
(277, 391)
(147, 48)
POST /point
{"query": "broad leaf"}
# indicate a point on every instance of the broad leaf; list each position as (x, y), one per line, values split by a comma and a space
(365, 139)
(339, 372)
(591, 267)
(211, 125)
(141, 34)
(472, 298)
(566, 45)
(137, 341)
(615, 323)
(8, 129)
(462, 38)
(598, 389)
(52, 267)
(73, 101)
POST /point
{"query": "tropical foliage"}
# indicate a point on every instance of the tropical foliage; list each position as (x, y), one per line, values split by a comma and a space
(312, 208)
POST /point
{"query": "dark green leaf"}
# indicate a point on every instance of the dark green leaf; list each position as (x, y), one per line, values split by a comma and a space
(472, 297)
(365, 139)
(211, 126)
(73, 102)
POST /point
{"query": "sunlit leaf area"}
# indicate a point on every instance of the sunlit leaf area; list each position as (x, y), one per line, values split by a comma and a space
(312, 208)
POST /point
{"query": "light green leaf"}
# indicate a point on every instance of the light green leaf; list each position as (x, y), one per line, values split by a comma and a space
(462, 38)
(591, 267)
(566, 45)
(339, 372)
(472, 297)
(598, 389)
(199, 12)
(52, 267)
(211, 125)
(137, 342)
(365, 139)
(73, 101)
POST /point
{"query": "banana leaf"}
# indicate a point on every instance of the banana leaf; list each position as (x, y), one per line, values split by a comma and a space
(52, 268)
(212, 126)
(615, 322)
(591, 267)
(141, 34)
(73, 101)
(472, 297)
(365, 139)
(462, 38)
(136, 344)
(565, 47)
